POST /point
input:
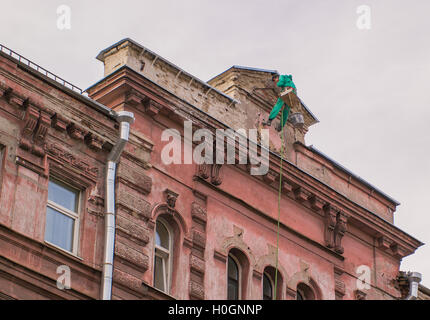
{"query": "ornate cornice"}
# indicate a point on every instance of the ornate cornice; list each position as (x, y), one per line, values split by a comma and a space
(301, 186)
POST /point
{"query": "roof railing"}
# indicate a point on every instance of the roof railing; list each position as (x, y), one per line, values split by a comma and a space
(40, 69)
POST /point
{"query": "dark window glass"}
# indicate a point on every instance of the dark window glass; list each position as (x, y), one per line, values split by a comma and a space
(267, 288)
(233, 280)
(162, 236)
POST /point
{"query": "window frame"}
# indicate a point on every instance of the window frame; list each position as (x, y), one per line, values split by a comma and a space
(76, 216)
(239, 271)
(272, 285)
(161, 252)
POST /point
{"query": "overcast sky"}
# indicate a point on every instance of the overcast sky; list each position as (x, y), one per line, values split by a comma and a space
(368, 87)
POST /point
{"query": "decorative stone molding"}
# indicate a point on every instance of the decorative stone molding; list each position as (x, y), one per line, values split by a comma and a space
(339, 285)
(287, 187)
(197, 265)
(203, 170)
(59, 123)
(339, 231)
(330, 224)
(133, 204)
(134, 258)
(196, 290)
(359, 295)
(76, 132)
(316, 203)
(171, 198)
(398, 250)
(384, 243)
(198, 213)
(304, 276)
(134, 178)
(42, 129)
(216, 178)
(198, 246)
(199, 239)
(93, 141)
(269, 260)
(151, 107)
(213, 171)
(335, 227)
(127, 280)
(133, 98)
(220, 256)
(31, 118)
(163, 208)
(270, 177)
(301, 194)
(132, 231)
(68, 159)
(257, 274)
(7, 94)
(339, 289)
(236, 241)
(291, 293)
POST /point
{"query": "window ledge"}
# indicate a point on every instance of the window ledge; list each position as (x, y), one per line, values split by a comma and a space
(63, 251)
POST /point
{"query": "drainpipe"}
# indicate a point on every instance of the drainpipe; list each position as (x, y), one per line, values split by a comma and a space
(125, 118)
(414, 279)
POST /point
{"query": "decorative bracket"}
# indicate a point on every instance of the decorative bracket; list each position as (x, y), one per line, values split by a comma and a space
(171, 198)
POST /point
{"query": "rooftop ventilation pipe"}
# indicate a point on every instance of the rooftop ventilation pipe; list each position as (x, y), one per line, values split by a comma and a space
(124, 118)
(414, 279)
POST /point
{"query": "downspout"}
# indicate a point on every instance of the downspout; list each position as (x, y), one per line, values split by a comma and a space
(414, 279)
(124, 118)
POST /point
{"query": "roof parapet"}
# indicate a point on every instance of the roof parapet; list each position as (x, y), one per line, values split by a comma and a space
(141, 59)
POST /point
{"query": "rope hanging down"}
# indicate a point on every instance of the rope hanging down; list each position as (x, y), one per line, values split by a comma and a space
(279, 205)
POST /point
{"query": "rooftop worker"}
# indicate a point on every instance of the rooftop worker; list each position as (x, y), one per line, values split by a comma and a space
(288, 97)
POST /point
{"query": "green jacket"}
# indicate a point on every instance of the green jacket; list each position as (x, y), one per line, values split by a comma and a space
(286, 81)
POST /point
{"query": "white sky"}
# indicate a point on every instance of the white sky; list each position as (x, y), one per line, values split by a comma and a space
(368, 88)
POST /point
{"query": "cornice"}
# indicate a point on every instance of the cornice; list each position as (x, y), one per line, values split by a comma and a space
(298, 184)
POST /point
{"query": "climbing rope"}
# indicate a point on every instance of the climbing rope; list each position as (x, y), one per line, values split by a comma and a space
(279, 201)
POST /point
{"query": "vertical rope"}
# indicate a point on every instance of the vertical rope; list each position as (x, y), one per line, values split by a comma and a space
(279, 202)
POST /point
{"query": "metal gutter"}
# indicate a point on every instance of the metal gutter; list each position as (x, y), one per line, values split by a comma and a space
(125, 118)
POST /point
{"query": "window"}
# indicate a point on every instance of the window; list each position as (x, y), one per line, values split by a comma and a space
(233, 279)
(267, 287)
(304, 292)
(62, 216)
(163, 256)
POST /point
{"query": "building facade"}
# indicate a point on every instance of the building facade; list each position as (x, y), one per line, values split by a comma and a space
(182, 230)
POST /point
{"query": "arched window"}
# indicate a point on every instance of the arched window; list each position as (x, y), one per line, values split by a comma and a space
(163, 255)
(304, 292)
(270, 277)
(267, 287)
(233, 275)
(238, 270)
